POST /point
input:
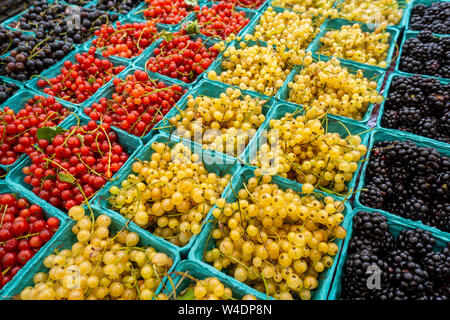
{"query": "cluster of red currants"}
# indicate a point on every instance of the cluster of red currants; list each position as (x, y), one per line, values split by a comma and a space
(250, 4)
(137, 103)
(168, 11)
(23, 231)
(126, 40)
(78, 81)
(74, 164)
(18, 130)
(182, 57)
(221, 20)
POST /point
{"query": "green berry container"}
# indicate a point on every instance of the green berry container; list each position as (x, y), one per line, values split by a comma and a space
(212, 89)
(337, 24)
(371, 73)
(131, 144)
(213, 162)
(380, 134)
(343, 127)
(55, 70)
(109, 89)
(200, 271)
(17, 102)
(141, 62)
(387, 87)
(406, 36)
(404, 4)
(48, 212)
(66, 239)
(205, 242)
(395, 226)
(414, 3)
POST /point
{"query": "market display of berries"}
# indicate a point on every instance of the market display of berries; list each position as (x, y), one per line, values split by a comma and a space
(408, 265)
(123, 269)
(426, 54)
(119, 6)
(125, 40)
(220, 20)
(7, 90)
(434, 18)
(70, 166)
(18, 129)
(420, 194)
(182, 57)
(137, 103)
(418, 105)
(23, 231)
(79, 80)
(168, 11)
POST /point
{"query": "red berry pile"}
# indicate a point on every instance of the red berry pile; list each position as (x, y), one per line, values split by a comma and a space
(182, 57)
(251, 4)
(127, 40)
(23, 231)
(221, 20)
(85, 156)
(18, 131)
(168, 11)
(78, 81)
(137, 103)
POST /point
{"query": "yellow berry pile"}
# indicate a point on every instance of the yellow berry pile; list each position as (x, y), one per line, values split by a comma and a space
(380, 12)
(225, 124)
(100, 266)
(299, 148)
(274, 240)
(257, 68)
(288, 28)
(170, 194)
(351, 42)
(210, 288)
(332, 88)
(317, 9)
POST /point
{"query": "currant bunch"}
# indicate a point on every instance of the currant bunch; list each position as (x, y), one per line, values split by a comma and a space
(257, 68)
(18, 130)
(100, 265)
(70, 167)
(250, 4)
(170, 194)
(220, 20)
(226, 124)
(332, 88)
(137, 103)
(351, 42)
(7, 90)
(182, 57)
(299, 148)
(168, 11)
(210, 288)
(23, 231)
(119, 6)
(79, 80)
(9, 39)
(274, 240)
(125, 40)
(317, 9)
(380, 12)
(285, 28)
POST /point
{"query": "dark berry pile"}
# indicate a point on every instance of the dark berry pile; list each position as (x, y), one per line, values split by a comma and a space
(78, 2)
(410, 181)
(7, 90)
(434, 18)
(426, 54)
(9, 39)
(407, 269)
(119, 6)
(418, 105)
